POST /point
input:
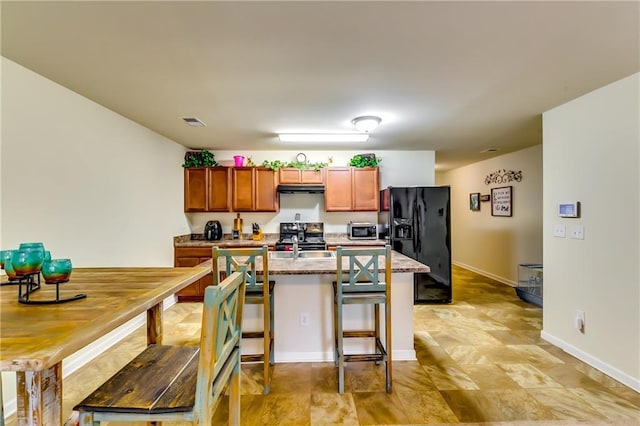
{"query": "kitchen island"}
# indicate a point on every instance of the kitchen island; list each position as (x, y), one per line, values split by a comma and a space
(304, 310)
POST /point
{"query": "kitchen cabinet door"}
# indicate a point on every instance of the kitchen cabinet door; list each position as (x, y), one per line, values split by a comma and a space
(351, 189)
(265, 190)
(289, 175)
(338, 194)
(218, 189)
(292, 175)
(366, 189)
(243, 192)
(312, 176)
(195, 189)
(255, 189)
(207, 189)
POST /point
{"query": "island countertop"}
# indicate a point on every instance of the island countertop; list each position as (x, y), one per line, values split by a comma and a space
(327, 266)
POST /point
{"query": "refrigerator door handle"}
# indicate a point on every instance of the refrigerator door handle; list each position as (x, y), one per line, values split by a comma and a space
(416, 229)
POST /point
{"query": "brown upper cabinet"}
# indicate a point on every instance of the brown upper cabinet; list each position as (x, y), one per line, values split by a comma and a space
(351, 189)
(292, 175)
(207, 189)
(254, 189)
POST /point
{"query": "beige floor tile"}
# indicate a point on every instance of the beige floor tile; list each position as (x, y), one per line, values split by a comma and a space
(379, 408)
(333, 409)
(528, 376)
(426, 407)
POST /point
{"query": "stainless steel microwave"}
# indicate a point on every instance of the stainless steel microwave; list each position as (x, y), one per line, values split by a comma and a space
(362, 231)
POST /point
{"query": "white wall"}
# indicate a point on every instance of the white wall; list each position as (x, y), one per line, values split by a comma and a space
(494, 245)
(397, 168)
(591, 155)
(93, 186)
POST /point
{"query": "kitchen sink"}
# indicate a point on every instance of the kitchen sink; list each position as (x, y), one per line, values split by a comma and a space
(280, 255)
(311, 254)
(316, 254)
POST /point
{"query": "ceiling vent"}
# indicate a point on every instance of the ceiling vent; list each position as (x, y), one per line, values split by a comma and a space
(489, 150)
(194, 122)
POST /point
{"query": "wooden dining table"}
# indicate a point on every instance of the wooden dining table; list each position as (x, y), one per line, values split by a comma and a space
(34, 339)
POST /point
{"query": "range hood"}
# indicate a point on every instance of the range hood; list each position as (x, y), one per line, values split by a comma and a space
(301, 189)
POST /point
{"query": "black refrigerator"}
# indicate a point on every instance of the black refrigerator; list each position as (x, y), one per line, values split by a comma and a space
(416, 221)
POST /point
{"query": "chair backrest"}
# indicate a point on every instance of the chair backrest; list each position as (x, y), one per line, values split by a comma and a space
(362, 273)
(235, 258)
(220, 334)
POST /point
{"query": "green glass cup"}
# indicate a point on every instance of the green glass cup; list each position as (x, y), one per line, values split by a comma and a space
(56, 271)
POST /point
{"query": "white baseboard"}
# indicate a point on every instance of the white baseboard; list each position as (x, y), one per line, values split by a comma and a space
(403, 355)
(88, 353)
(485, 273)
(614, 373)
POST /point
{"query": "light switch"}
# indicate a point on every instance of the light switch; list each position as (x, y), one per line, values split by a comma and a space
(577, 232)
(559, 231)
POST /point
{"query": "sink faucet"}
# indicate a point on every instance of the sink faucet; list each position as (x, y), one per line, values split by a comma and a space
(294, 239)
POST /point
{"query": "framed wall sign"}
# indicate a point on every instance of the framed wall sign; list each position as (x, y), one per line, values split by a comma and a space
(474, 201)
(485, 197)
(501, 201)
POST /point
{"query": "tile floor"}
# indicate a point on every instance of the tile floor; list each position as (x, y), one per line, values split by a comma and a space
(480, 361)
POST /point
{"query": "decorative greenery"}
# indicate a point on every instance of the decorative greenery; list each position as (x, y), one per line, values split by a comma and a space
(202, 158)
(364, 161)
(277, 164)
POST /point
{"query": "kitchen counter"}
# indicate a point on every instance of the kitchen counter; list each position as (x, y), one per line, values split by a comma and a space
(327, 266)
(332, 239)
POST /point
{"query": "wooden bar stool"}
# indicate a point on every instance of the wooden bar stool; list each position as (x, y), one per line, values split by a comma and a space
(362, 284)
(180, 383)
(257, 294)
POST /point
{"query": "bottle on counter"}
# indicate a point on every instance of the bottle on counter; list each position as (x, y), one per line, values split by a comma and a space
(237, 227)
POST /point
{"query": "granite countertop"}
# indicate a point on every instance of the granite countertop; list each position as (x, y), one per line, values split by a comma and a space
(197, 240)
(327, 266)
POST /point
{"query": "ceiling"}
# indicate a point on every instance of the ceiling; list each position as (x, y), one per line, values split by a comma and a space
(454, 77)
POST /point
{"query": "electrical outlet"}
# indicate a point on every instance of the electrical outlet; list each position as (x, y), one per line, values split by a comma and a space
(304, 318)
(579, 321)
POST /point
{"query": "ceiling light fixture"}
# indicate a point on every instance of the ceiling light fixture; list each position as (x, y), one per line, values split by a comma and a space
(323, 137)
(366, 123)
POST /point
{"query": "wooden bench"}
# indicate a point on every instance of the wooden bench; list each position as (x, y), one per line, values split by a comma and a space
(180, 383)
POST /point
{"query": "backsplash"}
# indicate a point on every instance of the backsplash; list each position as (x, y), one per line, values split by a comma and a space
(310, 207)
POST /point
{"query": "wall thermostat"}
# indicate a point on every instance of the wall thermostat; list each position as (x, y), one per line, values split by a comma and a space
(570, 209)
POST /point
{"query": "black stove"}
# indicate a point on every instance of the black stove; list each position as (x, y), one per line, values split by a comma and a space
(310, 236)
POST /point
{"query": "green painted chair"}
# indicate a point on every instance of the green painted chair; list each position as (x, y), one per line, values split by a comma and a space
(363, 281)
(257, 294)
(180, 383)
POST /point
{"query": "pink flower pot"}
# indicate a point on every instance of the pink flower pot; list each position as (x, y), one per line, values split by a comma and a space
(238, 160)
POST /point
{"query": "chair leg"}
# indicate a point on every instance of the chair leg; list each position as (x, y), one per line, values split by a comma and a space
(376, 327)
(389, 349)
(1, 403)
(272, 359)
(266, 357)
(335, 329)
(234, 395)
(340, 351)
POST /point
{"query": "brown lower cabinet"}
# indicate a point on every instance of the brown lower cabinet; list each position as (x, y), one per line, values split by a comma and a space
(192, 256)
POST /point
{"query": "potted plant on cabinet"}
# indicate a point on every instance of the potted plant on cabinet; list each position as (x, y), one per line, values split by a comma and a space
(364, 160)
(202, 158)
